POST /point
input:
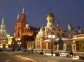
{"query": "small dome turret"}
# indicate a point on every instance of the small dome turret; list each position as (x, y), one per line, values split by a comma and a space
(50, 19)
(50, 15)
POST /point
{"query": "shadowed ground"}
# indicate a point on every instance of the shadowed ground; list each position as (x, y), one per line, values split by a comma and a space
(29, 57)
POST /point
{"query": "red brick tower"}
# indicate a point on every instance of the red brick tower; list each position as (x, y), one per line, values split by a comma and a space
(21, 27)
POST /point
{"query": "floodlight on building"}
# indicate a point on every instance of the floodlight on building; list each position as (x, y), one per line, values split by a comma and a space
(18, 39)
(51, 36)
(1, 46)
(8, 35)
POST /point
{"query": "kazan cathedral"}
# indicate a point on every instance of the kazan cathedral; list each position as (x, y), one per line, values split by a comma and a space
(51, 36)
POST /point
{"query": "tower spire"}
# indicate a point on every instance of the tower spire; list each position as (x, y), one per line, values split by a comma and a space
(18, 16)
(3, 27)
(23, 10)
(2, 21)
(58, 24)
(70, 27)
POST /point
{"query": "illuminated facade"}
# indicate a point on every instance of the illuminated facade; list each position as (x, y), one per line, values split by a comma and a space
(78, 42)
(3, 35)
(22, 28)
(49, 36)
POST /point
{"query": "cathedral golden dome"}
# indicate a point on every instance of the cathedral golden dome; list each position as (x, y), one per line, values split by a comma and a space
(50, 15)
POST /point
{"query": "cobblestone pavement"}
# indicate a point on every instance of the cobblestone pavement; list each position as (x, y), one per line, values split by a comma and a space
(29, 57)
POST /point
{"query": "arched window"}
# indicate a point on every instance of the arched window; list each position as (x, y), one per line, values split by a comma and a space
(63, 35)
(58, 34)
(60, 42)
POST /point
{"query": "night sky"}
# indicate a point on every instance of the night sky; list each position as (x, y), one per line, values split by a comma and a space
(65, 11)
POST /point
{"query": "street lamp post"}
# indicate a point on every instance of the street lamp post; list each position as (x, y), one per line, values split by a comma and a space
(19, 43)
(51, 37)
(4, 43)
(19, 46)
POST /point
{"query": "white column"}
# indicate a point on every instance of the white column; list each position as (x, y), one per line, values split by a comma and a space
(57, 46)
(47, 45)
(74, 46)
(64, 46)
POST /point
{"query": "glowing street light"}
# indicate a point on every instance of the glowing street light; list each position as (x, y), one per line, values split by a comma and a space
(19, 43)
